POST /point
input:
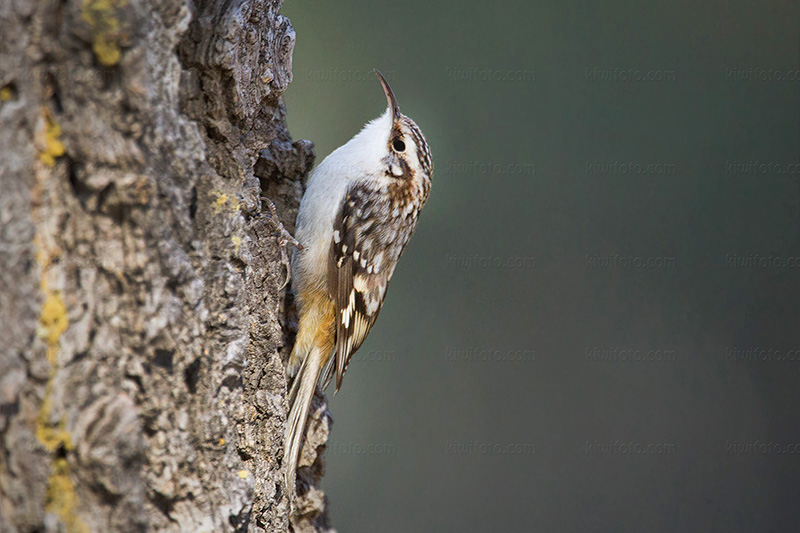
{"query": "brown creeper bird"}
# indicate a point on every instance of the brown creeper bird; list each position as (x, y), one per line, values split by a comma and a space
(359, 210)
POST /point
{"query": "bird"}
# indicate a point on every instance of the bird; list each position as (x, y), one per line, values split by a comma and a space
(359, 210)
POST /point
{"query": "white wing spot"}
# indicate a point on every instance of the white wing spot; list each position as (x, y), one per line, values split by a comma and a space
(373, 305)
(360, 284)
(337, 237)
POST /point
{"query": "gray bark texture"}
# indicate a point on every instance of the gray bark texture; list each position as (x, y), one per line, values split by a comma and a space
(143, 326)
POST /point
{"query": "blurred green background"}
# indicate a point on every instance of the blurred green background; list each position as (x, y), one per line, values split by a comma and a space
(596, 325)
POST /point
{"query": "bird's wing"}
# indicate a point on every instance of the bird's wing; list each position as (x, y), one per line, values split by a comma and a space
(368, 239)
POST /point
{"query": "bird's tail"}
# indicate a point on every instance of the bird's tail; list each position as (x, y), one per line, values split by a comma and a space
(300, 396)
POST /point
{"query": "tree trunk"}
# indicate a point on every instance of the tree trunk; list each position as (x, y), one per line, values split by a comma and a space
(143, 326)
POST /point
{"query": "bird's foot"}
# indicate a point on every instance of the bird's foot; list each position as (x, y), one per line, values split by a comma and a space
(284, 240)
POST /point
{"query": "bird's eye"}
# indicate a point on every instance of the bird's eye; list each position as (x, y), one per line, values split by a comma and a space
(398, 145)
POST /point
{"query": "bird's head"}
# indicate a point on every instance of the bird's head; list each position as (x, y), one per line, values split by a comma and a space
(390, 147)
(406, 151)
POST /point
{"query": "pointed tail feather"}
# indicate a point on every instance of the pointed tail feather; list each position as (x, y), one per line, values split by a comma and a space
(300, 396)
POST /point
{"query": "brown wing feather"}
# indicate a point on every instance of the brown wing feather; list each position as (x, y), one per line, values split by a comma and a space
(369, 236)
(353, 321)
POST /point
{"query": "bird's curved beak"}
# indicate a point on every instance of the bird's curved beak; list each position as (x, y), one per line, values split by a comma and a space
(390, 99)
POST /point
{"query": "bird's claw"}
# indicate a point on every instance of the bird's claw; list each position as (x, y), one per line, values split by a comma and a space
(284, 238)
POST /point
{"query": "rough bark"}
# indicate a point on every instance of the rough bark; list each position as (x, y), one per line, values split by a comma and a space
(142, 320)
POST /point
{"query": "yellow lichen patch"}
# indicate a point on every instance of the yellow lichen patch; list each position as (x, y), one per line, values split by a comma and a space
(61, 499)
(6, 94)
(53, 318)
(51, 436)
(221, 441)
(107, 29)
(223, 201)
(244, 474)
(53, 321)
(47, 140)
(237, 242)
